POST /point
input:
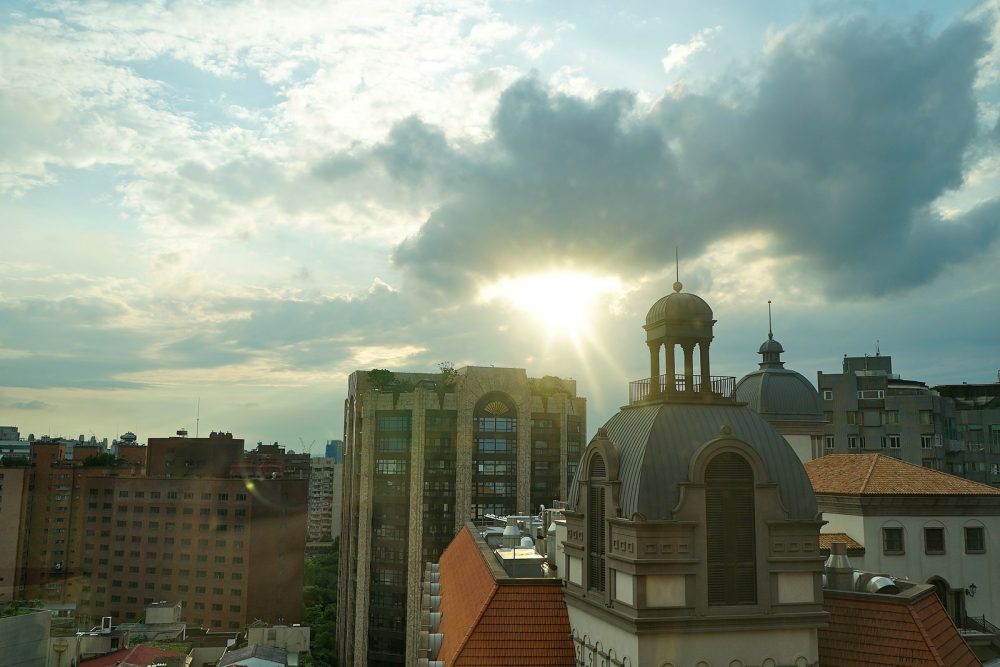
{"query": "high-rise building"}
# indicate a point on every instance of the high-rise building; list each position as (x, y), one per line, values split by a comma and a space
(203, 526)
(869, 408)
(975, 422)
(423, 454)
(325, 485)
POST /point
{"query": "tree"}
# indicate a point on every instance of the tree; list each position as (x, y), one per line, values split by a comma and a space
(105, 460)
(320, 601)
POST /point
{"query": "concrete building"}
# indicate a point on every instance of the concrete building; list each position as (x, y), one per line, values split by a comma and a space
(692, 529)
(423, 454)
(786, 400)
(110, 541)
(975, 421)
(13, 512)
(916, 523)
(326, 481)
(869, 408)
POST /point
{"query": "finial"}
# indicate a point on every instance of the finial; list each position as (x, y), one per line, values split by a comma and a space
(770, 333)
(677, 268)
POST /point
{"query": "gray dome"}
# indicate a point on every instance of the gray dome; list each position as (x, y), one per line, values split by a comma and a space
(770, 346)
(780, 394)
(680, 307)
(657, 442)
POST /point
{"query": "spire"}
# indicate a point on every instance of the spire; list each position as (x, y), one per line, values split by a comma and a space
(677, 271)
(771, 349)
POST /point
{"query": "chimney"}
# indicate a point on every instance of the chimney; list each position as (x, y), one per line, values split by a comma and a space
(838, 569)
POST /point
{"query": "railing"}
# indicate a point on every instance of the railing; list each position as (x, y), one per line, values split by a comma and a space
(593, 654)
(720, 385)
(980, 624)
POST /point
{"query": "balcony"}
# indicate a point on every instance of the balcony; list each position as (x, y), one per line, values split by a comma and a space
(722, 386)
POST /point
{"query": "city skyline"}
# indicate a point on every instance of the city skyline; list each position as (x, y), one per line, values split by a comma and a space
(230, 209)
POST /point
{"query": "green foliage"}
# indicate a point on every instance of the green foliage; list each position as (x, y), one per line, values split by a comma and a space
(448, 374)
(105, 460)
(176, 647)
(21, 607)
(15, 462)
(381, 379)
(320, 601)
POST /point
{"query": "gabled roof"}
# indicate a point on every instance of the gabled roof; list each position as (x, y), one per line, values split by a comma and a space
(880, 630)
(485, 622)
(136, 656)
(880, 475)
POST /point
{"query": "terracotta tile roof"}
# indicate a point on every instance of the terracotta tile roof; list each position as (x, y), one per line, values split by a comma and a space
(854, 548)
(877, 474)
(486, 623)
(136, 656)
(880, 630)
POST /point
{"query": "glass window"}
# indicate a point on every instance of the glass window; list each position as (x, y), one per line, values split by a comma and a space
(827, 395)
(892, 541)
(828, 441)
(975, 540)
(926, 441)
(934, 540)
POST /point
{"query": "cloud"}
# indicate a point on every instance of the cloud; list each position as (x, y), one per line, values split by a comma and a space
(855, 128)
(28, 405)
(678, 54)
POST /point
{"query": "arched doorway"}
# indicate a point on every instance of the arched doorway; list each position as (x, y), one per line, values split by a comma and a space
(953, 600)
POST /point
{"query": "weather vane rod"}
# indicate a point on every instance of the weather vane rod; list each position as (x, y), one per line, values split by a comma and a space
(770, 329)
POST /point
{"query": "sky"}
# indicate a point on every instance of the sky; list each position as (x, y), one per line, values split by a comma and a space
(218, 211)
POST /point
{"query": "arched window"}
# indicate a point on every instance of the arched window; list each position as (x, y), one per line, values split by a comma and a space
(597, 522)
(729, 518)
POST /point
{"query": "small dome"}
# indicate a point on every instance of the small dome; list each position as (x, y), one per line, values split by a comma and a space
(780, 394)
(680, 307)
(770, 345)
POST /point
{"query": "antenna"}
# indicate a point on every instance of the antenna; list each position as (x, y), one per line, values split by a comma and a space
(677, 264)
(770, 333)
(877, 352)
(197, 419)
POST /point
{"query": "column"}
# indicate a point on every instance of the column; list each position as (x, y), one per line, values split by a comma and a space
(671, 370)
(654, 369)
(688, 348)
(706, 378)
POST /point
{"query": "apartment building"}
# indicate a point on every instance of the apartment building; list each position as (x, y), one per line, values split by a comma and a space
(200, 526)
(423, 454)
(869, 408)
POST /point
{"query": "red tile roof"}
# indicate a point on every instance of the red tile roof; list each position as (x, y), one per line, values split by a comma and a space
(854, 548)
(136, 656)
(877, 474)
(487, 623)
(880, 630)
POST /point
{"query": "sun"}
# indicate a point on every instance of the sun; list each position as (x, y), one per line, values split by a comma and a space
(560, 302)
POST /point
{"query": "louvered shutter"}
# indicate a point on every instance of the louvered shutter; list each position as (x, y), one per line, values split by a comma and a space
(729, 517)
(596, 536)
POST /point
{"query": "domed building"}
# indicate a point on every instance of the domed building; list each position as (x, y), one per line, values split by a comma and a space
(786, 400)
(692, 528)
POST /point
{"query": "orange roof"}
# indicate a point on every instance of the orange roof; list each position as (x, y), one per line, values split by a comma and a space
(137, 656)
(488, 623)
(854, 548)
(890, 630)
(877, 475)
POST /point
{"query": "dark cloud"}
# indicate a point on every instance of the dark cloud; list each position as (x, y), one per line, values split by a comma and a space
(854, 129)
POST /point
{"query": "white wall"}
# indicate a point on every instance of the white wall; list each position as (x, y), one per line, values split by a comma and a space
(955, 566)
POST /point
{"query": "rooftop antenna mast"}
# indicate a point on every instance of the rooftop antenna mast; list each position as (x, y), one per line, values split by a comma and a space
(878, 353)
(677, 271)
(770, 329)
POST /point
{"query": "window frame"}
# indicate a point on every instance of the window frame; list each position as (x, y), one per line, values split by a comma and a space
(982, 539)
(934, 530)
(886, 540)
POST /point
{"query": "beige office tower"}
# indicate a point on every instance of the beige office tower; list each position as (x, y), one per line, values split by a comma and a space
(423, 454)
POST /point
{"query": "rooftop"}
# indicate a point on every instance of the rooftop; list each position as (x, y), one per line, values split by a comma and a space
(874, 629)
(854, 548)
(490, 619)
(880, 475)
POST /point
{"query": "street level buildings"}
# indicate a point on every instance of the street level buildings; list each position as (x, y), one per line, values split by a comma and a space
(423, 454)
